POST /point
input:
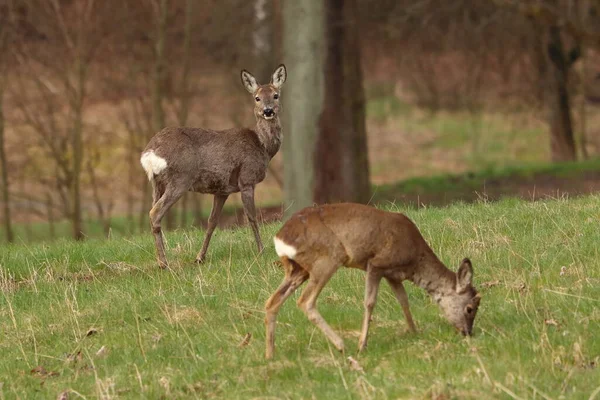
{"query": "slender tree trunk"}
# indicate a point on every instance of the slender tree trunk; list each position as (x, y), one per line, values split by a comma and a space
(27, 210)
(50, 215)
(341, 158)
(184, 92)
(198, 219)
(132, 173)
(144, 221)
(303, 33)
(77, 147)
(158, 78)
(4, 167)
(562, 142)
(103, 215)
(582, 107)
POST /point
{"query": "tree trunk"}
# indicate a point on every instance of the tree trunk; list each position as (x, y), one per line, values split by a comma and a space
(583, 142)
(132, 173)
(50, 216)
(184, 92)
(341, 159)
(144, 220)
(4, 167)
(262, 40)
(198, 219)
(562, 142)
(77, 147)
(303, 33)
(158, 77)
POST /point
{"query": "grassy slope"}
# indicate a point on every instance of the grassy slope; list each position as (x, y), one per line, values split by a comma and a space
(437, 189)
(463, 185)
(177, 333)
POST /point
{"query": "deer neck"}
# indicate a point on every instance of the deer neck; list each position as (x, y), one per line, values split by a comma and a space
(269, 134)
(433, 276)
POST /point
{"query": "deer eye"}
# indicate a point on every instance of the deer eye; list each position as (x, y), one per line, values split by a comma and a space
(469, 309)
(257, 99)
(275, 96)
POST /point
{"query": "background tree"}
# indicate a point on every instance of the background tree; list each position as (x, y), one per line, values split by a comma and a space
(6, 27)
(341, 156)
(326, 156)
(60, 72)
(303, 33)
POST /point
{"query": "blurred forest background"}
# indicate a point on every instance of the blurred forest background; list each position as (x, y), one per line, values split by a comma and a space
(385, 99)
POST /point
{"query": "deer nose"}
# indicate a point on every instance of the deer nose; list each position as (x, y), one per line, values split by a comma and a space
(268, 112)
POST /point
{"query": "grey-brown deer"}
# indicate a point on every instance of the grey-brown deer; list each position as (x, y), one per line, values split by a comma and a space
(316, 241)
(178, 160)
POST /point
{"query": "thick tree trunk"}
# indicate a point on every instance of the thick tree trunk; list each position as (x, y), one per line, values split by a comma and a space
(4, 168)
(303, 33)
(262, 40)
(341, 159)
(562, 142)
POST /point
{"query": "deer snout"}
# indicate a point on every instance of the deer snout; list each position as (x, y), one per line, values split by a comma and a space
(268, 112)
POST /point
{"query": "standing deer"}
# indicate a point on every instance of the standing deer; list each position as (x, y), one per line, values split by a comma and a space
(178, 160)
(316, 241)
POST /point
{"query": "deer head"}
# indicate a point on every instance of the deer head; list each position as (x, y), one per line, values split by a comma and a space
(266, 97)
(460, 305)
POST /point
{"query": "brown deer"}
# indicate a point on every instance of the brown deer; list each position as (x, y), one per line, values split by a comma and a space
(316, 241)
(178, 160)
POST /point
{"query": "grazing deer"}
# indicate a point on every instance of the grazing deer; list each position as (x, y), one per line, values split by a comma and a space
(178, 160)
(316, 241)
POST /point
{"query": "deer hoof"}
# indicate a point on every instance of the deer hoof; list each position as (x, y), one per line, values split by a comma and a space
(163, 265)
(200, 260)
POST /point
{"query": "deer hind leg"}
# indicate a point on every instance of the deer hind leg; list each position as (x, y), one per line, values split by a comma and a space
(250, 210)
(213, 220)
(159, 209)
(320, 273)
(400, 293)
(295, 276)
(371, 287)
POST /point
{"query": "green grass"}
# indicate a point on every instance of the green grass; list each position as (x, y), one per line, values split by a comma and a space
(458, 140)
(120, 226)
(177, 333)
(462, 184)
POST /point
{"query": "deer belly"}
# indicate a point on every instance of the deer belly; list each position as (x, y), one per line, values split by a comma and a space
(211, 183)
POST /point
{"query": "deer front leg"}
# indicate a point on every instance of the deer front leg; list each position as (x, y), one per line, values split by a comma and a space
(400, 293)
(213, 220)
(371, 288)
(250, 210)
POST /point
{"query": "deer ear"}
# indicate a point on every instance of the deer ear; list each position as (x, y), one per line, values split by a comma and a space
(464, 276)
(249, 81)
(279, 76)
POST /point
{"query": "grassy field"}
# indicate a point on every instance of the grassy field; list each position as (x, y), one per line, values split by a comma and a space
(99, 320)
(437, 189)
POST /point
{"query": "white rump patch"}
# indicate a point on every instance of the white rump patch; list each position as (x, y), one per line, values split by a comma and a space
(152, 164)
(283, 249)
